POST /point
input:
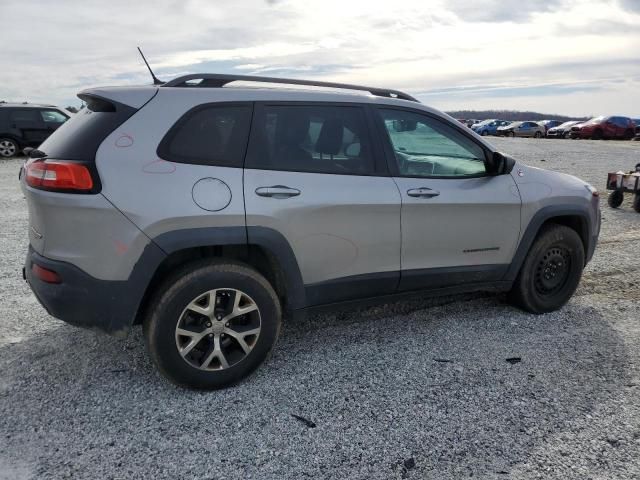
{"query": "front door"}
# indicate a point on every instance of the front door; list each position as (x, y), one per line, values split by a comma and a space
(313, 176)
(459, 224)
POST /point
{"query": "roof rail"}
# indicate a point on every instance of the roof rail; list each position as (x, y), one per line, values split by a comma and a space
(217, 80)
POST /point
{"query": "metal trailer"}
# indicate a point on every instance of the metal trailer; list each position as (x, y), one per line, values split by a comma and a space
(620, 183)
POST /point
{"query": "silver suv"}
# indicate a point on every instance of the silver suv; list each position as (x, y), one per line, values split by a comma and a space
(207, 212)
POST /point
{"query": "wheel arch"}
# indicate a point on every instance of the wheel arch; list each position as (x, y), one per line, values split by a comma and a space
(264, 249)
(575, 217)
(15, 138)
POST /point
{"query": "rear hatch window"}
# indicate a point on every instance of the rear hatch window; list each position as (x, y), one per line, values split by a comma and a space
(80, 137)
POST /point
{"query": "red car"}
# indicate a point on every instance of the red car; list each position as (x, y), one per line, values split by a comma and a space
(605, 127)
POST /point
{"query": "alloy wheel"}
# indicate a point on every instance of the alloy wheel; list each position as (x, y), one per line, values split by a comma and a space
(218, 329)
(7, 148)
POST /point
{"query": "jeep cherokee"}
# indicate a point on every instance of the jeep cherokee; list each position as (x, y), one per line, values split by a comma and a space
(206, 210)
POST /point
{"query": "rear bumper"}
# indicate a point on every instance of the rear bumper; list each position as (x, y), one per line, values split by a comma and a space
(85, 301)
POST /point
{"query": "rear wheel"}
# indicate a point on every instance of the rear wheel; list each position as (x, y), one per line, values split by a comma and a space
(8, 147)
(551, 271)
(537, 135)
(615, 199)
(628, 135)
(212, 325)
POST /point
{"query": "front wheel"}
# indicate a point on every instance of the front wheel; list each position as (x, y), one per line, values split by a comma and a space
(551, 271)
(212, 325)
(512, 134)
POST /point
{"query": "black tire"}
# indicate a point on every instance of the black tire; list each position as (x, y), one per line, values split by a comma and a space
(563, 135)
(597, 135)
(8, 147)
(615, 199)
(636, 202)
(171, 303)
(484, 133)
(629, 134)
(512, 134)
(550, 272)
(537, 135)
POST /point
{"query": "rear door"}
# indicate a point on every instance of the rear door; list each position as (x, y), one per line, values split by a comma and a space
(459, 225)
(29, 125)
(315, 175)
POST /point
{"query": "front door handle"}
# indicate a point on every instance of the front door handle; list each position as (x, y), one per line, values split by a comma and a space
(422, 192)
(277, 191)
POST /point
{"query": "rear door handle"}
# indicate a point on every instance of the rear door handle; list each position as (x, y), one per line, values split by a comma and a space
(277, 191)
(422, 192)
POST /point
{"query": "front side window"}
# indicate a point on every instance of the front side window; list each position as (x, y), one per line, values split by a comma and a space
(52, 116)
(311, 138)
(209, 135)
(426, 147)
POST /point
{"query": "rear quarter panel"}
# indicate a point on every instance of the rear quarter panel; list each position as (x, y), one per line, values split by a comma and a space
(156, 194)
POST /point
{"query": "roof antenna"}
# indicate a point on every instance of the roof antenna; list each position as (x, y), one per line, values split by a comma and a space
(155, 79)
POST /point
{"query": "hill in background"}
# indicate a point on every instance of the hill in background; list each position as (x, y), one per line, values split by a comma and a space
(512, 115)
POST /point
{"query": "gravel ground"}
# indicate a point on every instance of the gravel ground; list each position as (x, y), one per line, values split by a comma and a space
(421, 389)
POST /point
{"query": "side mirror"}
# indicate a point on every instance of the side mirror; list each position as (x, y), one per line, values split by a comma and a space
(500, 164)
(404, 125)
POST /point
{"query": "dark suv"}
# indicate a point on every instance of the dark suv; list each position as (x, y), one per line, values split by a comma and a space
(27, 125)
(604, 127)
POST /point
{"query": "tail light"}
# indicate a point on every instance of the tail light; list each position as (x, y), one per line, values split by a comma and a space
(44, 274)
(58, 175)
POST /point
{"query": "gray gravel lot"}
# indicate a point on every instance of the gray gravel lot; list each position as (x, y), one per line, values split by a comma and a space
(420, 389)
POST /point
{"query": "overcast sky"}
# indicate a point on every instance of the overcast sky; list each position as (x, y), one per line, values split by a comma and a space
(575, 57)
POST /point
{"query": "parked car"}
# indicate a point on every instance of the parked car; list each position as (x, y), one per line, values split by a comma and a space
(609, 127)
(27, 125)
(547, 124)
(489, 127)
(561, 131)
(207, 213)
(522, 129)
(471, 122)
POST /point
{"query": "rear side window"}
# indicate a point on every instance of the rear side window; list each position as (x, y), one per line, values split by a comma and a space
(24, 115)
(209, 135)
(311, 138)
(80, 136)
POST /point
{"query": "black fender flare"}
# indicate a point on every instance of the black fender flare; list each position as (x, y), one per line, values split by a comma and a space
(540, 217)
(269, 239)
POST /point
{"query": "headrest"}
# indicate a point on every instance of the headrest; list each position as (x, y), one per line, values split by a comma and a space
(330, 138)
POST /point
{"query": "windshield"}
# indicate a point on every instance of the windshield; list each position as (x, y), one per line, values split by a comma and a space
(484, 122)
(514, 124)
(595, 120)
(567, 124)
